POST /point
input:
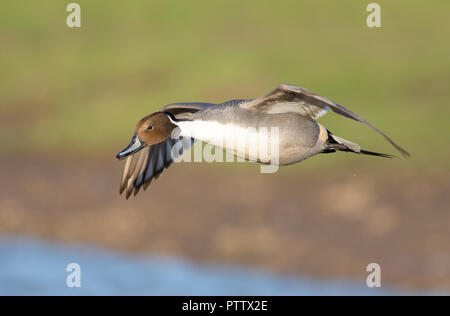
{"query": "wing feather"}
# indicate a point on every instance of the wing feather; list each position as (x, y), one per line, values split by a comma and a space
(146, 165)
(292, 99)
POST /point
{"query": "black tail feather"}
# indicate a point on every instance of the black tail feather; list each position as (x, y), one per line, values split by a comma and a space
(343, 145)
(335, 143)
(362, 152)
(372, 153)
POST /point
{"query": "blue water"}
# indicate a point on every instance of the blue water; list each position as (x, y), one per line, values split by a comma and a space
(34, 267)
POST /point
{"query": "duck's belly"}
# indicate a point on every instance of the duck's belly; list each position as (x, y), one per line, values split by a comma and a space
(251, 143)
(281, 142)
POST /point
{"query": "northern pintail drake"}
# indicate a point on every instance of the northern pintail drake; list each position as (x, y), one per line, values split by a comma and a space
(292, 110)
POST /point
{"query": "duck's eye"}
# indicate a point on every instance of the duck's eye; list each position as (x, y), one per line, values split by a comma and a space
(150, 127)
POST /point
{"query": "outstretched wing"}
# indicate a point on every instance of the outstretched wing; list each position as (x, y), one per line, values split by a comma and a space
(184, 111)
(293, 99)
(144, 166)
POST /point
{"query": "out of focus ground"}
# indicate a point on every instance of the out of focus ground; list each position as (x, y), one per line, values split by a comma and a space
(328, 224)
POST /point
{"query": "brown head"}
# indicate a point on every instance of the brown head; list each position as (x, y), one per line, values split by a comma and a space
(151, 130)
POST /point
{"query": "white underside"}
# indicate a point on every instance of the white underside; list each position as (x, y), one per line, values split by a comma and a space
(254, 143)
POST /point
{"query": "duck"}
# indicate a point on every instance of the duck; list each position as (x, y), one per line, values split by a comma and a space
(291, 111)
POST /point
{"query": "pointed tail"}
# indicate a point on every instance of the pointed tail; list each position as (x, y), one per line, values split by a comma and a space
(335, 143)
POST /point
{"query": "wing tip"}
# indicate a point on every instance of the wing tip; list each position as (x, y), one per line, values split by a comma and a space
(405, 154)
(129, 192)
(136, 190)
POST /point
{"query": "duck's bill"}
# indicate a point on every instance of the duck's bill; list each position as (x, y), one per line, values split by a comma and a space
(134, 146)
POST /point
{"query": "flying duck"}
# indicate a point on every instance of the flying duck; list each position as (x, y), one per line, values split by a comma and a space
(291, 109)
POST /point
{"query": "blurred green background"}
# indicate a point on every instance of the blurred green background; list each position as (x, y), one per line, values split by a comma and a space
(81, 91)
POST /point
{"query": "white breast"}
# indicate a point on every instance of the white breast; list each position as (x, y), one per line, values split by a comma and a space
(253, 143)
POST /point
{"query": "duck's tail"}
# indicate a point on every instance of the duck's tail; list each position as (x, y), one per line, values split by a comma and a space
(335, 143)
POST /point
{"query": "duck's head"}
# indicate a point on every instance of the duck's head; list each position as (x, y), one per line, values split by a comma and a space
(152, 129)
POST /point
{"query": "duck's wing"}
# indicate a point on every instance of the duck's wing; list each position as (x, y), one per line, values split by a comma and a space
(292, 99)
(184, 111)
(146, 165)
(142, 167)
